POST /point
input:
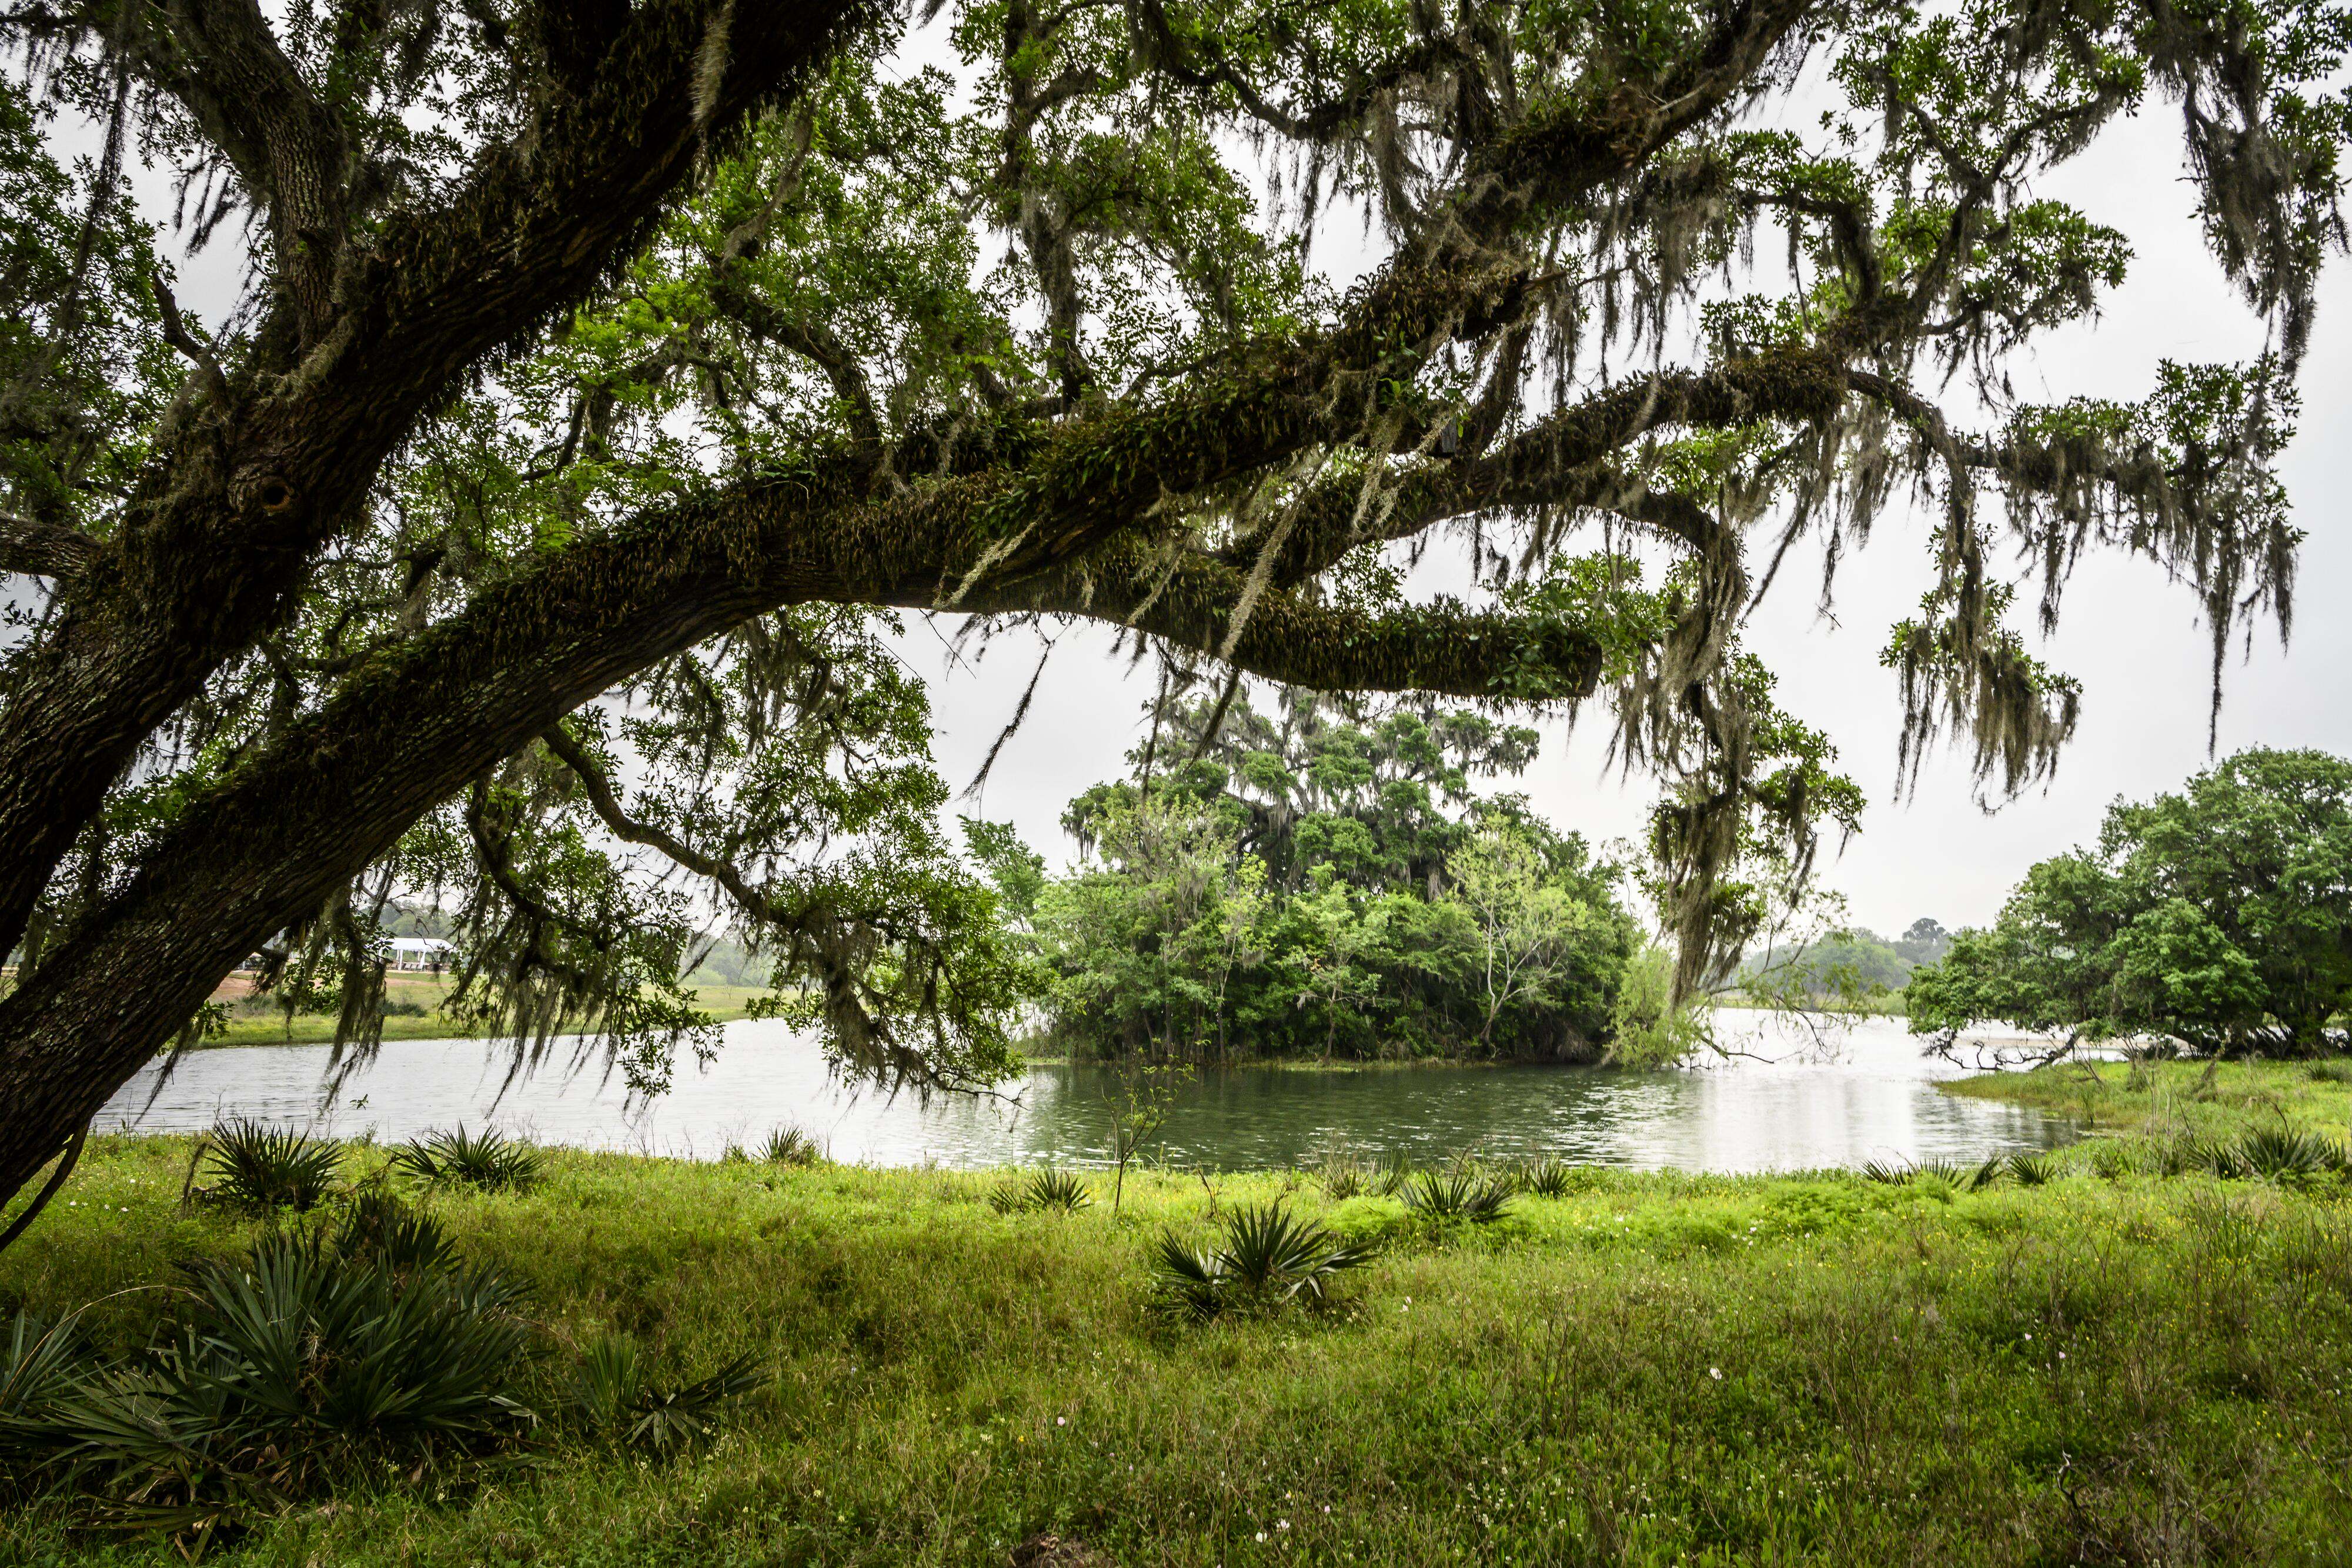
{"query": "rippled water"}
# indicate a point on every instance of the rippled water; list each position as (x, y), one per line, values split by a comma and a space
(1869, 1095)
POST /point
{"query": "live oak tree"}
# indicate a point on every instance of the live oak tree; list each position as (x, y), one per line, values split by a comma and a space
(606, 367)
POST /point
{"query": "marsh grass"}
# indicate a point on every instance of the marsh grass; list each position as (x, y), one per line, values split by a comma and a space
(1653, 1368)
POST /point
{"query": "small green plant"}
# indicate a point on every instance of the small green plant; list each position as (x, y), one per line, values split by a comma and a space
(376, 1226)
(2111, 1159)
(1461, 1193)
(611, 1396)
(2289, 1154)
(1394, 1172)
(791, 1146)
(36, 1368)
(1044, 1191)
(1547, 1177)
(257, 1169)
(2032, 1170)
(1949, 1175)
(487, 1161)
(1343, 1177)
(2334, 1071)
(1269, 1257)
(2216, 1159)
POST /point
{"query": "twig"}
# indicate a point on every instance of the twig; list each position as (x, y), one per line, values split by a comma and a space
(176, 333)
(65, 1168)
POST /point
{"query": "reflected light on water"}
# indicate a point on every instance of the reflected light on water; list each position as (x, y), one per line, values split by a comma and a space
(1863, 1091)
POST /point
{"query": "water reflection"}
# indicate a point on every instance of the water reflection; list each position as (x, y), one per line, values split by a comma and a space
(1868, 1094)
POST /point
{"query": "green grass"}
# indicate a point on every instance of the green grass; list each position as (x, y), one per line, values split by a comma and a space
(2177, 1099)
(1651, 1369)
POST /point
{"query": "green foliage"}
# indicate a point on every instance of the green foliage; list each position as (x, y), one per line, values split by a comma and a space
(2214, 916)
(1648, 1028)
(487, 1161)
(298, 1365)
(1325, 883)
(791, 1146)
(259, 1168)
(1269, 1257)
(2030, 1170)
(954, 1384)
(2290, 1153)
(1545, 1176)
(613, 1396)
(1460, 1192)
(1046, 1191)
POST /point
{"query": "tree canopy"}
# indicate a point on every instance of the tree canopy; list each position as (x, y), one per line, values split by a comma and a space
(1323, 882)
(2220, 916)
(607, 368)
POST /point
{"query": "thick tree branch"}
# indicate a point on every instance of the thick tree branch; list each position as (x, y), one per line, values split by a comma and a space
(30, 548)
(212, 551)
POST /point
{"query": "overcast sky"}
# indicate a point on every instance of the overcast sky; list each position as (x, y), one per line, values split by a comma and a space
(2133, 639)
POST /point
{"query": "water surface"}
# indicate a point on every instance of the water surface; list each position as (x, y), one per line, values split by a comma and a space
(1863, 1093)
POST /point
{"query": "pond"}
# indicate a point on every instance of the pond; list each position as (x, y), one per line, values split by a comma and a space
(1861, 1092)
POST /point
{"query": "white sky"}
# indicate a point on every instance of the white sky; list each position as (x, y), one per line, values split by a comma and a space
(2133, 640)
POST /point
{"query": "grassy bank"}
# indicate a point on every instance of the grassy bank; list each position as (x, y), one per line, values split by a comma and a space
(2176, 1100)
(1649, 1369)
(416, 1002)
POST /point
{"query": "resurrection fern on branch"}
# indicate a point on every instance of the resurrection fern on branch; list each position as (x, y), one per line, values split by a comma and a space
(524, 548)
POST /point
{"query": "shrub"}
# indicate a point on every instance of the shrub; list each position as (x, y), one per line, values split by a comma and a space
(2032, 1170)
(1394, 1173)
(1462, 1192)
(2336, 1071)
(1547, 1177)
(1045, 1190)
(376, 1226)
(611, 1396)
(257, 1169)
(487, 1161)
(2289, 1154)
(1949, 1175)
(1269, 1257)
(2216, 1159)
(37, 1362)
(1343, 1177)
(300, 1364)
(791, 1146)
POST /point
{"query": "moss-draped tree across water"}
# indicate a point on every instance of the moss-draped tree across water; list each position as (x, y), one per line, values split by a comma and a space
(595, 350)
